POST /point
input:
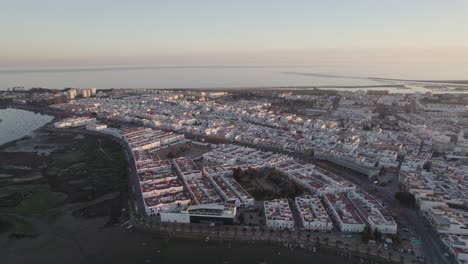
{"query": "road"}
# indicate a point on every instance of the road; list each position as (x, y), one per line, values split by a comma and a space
(431, 244)
(291, 239)
(135, 182)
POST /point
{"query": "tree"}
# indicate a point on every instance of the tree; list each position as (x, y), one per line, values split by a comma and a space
(396, 238)
(406, 198)
(171, 154)
(366, 234)
(377, 235)
(241, 218)
(237, 173)
(184, 148)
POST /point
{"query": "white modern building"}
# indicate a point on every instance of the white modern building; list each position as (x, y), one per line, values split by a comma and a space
(313, 214)
(278, 214)
(344, 213)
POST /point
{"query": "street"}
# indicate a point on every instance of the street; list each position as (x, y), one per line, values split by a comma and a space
(413, 220)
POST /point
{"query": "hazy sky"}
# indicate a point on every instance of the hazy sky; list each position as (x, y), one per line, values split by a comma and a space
(86, 32)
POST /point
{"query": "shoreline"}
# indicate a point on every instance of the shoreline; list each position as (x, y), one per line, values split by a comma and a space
(5, 144)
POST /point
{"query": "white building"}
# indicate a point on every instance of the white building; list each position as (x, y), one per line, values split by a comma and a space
(166, 203)
(458, 246)
(278, 214)
(373, 212)
(187, 169)
(96, 126)
(74, 122)
(344, 213)
(446, 220)
(313, 213)
(203, 213)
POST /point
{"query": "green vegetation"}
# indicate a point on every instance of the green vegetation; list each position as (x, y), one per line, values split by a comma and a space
(366, 234)
(267, 184)
(82, 169)
(90, 168)
(38, 201)
(396, 238)
(5, 226)
(11, 200)
(177, 151)
(406, 198)
(24, 229)
(377, 235)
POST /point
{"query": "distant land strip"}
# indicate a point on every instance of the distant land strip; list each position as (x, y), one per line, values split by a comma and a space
(423, 81)
(326, 75)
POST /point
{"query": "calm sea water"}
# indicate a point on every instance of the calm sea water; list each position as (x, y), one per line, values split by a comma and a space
(16, 123)
(220, 76)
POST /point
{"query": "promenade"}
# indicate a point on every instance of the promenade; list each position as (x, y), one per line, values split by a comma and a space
(298, 239)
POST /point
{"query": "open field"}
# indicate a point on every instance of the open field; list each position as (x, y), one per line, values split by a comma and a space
(45, 175)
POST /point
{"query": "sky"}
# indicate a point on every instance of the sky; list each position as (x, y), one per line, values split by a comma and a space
(241, 32)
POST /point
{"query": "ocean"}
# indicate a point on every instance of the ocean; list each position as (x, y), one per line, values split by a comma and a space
(151, 76)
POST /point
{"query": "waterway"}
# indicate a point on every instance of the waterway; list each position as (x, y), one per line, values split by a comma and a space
(16, 123)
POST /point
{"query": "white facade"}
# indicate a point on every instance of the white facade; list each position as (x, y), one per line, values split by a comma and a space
(313, 213)
(278, 214)
(96, 126)
(343, 213)
(74, 122)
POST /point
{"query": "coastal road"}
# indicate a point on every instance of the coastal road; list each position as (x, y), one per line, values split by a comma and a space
(135, 182)
(290, 239)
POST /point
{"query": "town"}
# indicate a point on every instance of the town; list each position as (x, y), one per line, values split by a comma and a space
(381, 167)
